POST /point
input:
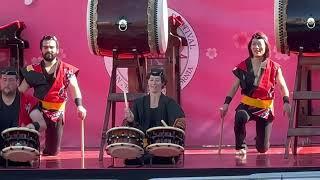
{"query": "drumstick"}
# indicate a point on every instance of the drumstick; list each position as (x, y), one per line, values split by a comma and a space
(221, 132)
(82, 143)
(125, 99)
(164, 123)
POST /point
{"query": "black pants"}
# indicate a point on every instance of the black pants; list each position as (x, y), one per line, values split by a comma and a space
(263, 130)
(54, 133)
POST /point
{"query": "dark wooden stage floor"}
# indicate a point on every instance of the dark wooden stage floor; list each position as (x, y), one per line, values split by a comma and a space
(197, 163)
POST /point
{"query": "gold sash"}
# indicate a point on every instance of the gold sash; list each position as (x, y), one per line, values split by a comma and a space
(259, 103)
(53, 106)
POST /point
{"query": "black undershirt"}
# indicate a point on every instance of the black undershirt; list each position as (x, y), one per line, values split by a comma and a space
(49, 77)
(155, 117)
(8, 115)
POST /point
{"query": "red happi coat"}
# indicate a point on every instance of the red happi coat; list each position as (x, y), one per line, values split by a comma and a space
(53, 102)
(264, 90)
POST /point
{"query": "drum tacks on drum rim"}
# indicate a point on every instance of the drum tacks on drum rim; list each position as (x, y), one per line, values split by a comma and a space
(21, 144)
(125, 142)
(297, 27)
(126, 26)
(165, 141)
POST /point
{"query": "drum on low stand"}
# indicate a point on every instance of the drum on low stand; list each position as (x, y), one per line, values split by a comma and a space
(128, 31)
(125, 142)
(21, 144)
(165, 141)
(297, 28)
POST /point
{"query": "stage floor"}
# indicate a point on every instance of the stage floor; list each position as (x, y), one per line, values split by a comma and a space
(194, 158)
(205, 162)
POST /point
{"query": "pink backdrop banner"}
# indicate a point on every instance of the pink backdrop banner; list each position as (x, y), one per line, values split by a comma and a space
(217, 31)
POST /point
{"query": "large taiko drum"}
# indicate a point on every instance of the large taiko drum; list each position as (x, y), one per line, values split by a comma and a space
(21, 144)
(125, 142)
(127, 26)
(297, 26)
(165, 141)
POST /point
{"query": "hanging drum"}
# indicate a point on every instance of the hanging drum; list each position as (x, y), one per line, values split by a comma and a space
(127, 26)
(297, 26)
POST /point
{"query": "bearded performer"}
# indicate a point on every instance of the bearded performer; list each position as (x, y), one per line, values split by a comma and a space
(50, 79)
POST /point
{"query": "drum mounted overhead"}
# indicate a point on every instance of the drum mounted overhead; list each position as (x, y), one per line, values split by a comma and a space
(127, 26)
(297, 26)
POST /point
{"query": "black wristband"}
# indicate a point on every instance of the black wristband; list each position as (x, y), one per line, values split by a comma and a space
(228, 100)
(78, 101)
(36, 126)
(285, 99)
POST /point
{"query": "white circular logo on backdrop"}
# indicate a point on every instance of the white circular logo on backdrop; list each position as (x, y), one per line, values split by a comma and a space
(189, 56)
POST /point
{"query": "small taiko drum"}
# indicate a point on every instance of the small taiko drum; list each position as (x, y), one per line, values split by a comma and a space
(165, 141)
(125, 142)
(20, 144)
(127, 26)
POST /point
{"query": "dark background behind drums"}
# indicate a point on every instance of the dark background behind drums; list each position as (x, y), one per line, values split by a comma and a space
(217, 32)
